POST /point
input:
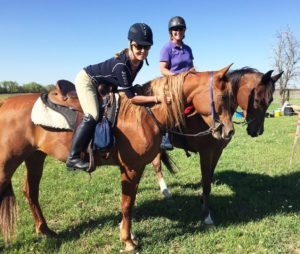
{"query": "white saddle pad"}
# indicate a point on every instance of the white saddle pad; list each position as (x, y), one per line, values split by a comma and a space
(45, 116)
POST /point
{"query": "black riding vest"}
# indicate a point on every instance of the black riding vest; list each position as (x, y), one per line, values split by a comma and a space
(116, 72)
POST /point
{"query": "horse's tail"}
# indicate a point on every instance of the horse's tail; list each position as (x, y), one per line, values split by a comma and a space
(167, 161)
(8, 213)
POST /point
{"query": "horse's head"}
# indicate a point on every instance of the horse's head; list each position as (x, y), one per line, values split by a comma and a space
(259, 100)
(210, 92)
(253, 92)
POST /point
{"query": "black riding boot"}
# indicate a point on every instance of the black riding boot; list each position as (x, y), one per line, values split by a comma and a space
(166, 143)
(80, 141)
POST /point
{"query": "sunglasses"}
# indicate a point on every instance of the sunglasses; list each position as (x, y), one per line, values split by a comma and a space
(178, 29)
(140, 47)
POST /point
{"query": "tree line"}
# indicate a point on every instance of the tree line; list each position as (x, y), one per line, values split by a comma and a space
(14, 87)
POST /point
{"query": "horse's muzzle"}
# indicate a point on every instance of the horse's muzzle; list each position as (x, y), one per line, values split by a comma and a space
(223, 131)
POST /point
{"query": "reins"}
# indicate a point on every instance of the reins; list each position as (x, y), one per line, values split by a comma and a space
(245, 122)
(162, 129)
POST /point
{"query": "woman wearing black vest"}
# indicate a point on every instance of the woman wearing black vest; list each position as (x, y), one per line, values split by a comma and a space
(118, 72)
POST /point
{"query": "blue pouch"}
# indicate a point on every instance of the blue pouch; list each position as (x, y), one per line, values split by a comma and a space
(103, 137)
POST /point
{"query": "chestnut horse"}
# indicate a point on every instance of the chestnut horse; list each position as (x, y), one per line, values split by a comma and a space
(138, 137)
(253, 92)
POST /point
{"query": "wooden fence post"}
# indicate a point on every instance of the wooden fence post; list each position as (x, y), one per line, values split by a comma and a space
(296, 138)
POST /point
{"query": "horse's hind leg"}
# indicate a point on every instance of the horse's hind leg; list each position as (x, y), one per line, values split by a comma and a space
(8, 210)
(8, 205)
(34, 165)
(156, 163)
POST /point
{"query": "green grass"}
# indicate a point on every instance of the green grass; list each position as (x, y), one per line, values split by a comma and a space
(255, 203)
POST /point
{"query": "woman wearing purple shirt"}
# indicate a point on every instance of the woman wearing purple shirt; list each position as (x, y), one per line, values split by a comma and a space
(175, 57)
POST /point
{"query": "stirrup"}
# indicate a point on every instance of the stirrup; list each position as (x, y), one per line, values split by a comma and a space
(165, 143)
(76, 163)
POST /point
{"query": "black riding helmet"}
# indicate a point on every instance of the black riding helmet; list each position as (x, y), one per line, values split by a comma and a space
(176, 21)
(141, 34)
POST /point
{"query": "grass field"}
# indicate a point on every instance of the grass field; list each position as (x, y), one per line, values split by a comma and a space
(255, 201)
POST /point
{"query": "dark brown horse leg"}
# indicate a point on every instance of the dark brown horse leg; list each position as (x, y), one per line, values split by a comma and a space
(208, 162)
(34, 165)
(206, 171)
(156, 163)
(129, 180)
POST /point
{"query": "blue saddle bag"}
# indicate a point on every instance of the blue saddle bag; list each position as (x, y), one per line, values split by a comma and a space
(103, 137)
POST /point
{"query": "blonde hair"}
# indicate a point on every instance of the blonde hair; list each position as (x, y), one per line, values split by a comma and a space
(123, 51)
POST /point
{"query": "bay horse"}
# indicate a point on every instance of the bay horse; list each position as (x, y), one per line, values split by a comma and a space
(138, 137)
(253, 93)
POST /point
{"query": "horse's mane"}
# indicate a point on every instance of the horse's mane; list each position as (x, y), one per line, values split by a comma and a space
(162, 86)
(236, 75)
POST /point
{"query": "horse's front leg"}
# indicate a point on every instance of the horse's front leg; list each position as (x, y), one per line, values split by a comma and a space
(206, 171)
(34, 165)
(209, 160)
(156, 163)
(130, 180)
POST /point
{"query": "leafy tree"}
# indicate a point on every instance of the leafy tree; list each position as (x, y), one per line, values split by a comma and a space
(33, 87)
(49, 87)
(9, 87)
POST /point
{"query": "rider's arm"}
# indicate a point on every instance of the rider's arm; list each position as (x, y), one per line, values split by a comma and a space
(164, 69)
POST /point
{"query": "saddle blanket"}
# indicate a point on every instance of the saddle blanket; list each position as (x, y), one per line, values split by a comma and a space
(45, 116)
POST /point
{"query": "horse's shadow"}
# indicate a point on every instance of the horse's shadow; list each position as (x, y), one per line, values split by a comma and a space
(253, 197)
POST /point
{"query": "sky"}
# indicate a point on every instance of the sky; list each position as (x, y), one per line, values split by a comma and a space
(46, 40)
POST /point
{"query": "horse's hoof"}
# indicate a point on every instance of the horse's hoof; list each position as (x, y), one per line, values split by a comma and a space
(208, 220)
(209, 227)
(166, 193)
(131, 247)
(44, 230)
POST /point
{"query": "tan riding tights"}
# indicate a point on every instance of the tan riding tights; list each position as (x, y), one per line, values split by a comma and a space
(87, 94)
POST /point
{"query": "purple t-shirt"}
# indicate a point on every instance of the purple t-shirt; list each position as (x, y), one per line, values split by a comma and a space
(179, 59)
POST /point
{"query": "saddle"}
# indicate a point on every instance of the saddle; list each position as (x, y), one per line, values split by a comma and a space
(64, 94)
(63, 99)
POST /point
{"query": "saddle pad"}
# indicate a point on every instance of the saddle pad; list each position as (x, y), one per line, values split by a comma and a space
(45, 116)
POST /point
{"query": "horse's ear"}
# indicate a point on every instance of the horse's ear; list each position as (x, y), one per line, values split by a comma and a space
(223, 71)
(266, 77)
(276, 77)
